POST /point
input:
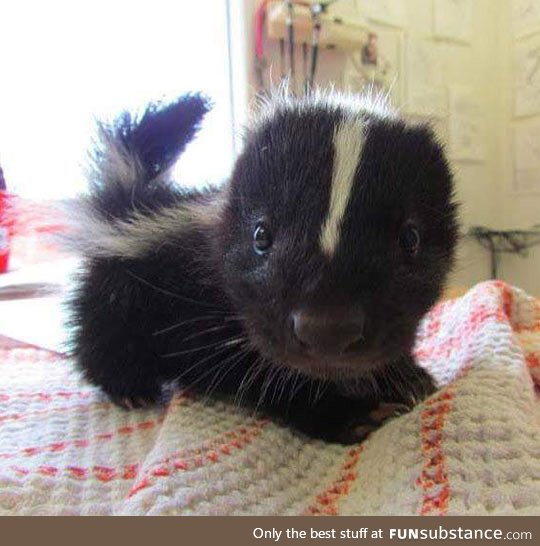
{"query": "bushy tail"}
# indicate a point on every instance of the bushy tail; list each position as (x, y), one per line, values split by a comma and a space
(133, 153)
(128, 177)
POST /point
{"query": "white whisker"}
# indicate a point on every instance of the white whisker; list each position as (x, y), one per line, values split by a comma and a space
(189, 321)
(171, 294)
(227, 343)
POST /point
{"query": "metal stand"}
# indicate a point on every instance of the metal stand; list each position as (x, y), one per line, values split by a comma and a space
(505, 241)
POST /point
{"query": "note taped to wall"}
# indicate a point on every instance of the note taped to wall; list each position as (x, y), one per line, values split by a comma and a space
(424, 78)
(452, 20)
(527, 156)
(527, 77)
(525, 17)
(347, 11)
(466, 125)
(379, 66)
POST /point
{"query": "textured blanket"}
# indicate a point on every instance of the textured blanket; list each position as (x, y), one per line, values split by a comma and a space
(472, 448)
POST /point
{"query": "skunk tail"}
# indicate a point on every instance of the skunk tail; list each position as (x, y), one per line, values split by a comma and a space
(128, 180)
(133, 155)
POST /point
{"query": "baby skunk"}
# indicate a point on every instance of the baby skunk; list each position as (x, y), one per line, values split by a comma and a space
(295, 288)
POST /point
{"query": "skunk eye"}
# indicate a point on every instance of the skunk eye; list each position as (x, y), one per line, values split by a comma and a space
(262, 238)
(409, 239)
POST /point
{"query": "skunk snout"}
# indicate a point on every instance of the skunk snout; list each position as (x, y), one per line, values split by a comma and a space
(328, 332)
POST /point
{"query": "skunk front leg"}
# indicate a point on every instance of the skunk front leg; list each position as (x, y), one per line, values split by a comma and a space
(112, 342)
(348, 418)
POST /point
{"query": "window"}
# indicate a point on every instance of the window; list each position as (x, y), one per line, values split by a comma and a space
(64, 64)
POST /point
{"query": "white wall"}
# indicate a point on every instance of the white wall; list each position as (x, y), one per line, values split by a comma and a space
(516, 210)
(63, 64)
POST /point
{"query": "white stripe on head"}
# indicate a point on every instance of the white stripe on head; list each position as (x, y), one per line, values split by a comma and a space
(348, 141)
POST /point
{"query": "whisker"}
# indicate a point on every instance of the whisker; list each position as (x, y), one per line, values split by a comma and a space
(249, 378)
(395, 379)
(293, 389)
(266, 385)
(248, 374)
(189, 321)
(287, 374)
(227, 343)
(311, 382)
(240, 357)
(374, 385)
(198, 363)
(321, 389)
(280, 376)
(207, 331)
(172, 294)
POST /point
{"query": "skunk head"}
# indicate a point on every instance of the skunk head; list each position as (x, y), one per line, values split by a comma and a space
(338, 233)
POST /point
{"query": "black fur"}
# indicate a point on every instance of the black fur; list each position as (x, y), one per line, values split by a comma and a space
(204, 310)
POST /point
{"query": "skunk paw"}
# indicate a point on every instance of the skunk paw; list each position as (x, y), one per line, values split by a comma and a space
(359, 427)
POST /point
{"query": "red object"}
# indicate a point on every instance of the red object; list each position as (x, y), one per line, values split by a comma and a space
(260, 15)
(4, 233)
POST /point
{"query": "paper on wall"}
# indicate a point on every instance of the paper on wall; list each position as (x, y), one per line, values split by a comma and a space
(525, 17)
(384, 75)
(466, 125)
(452, 19)
(425, 93)
(527, 155)
(527, 77)
(387, 12)
(347, 11)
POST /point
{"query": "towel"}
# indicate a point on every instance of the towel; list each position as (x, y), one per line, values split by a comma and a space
(472, 448)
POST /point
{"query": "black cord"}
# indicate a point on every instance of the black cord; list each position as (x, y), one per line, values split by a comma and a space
(498, 242)
(316, 10)
(290, 32)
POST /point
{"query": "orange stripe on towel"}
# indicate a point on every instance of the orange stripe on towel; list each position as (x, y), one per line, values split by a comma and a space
(82, 443)
(433, 479)
(507, 298)
(48, 411)
(29, 355)
(326, 503)
(533, 360)
(101, 473)
(210, 453)
(47, 396)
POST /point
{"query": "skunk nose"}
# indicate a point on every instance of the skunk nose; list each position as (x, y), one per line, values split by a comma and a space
(329, 332)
